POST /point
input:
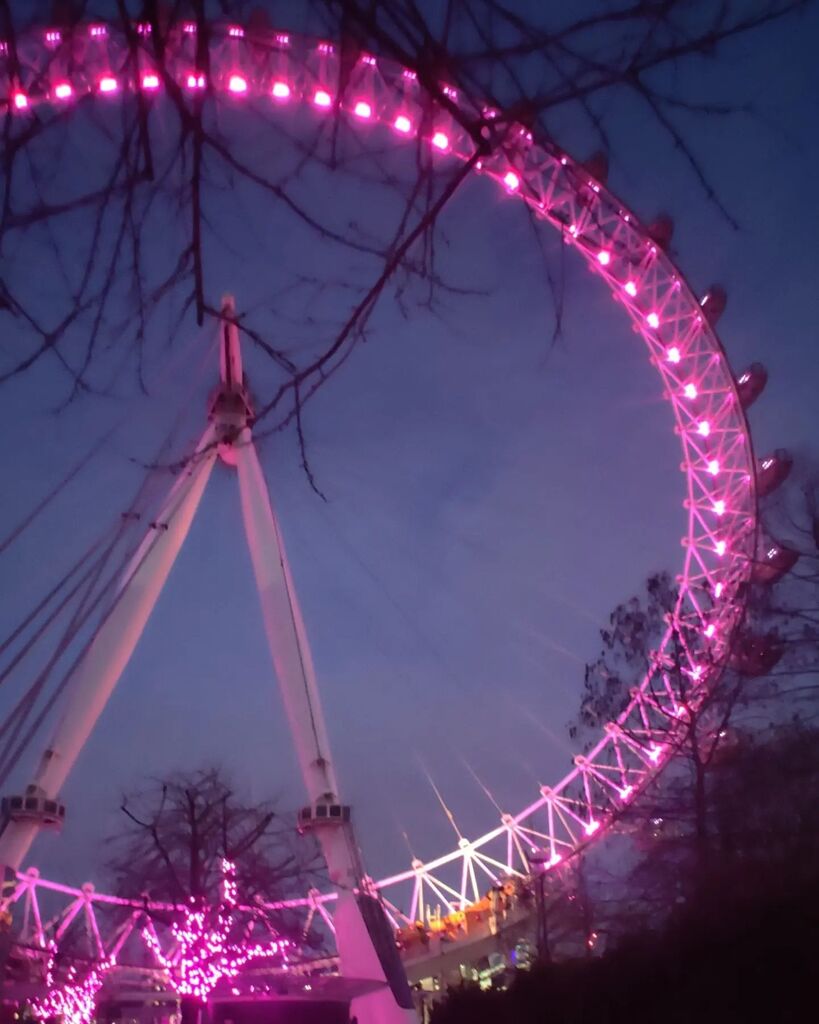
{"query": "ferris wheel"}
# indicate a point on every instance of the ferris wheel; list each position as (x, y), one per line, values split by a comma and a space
(723, 546)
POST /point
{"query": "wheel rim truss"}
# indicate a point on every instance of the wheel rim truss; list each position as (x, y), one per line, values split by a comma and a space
(717, 455)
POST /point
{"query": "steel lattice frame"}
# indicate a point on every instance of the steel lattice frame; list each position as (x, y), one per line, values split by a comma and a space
(718, 461)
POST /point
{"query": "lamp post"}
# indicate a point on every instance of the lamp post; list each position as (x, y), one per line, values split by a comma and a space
(538, 863)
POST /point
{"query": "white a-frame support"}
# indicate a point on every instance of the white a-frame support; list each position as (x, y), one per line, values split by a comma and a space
(365, 945)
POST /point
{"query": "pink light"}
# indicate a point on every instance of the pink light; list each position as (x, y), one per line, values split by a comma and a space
(322, 98)
(703, 428)
(573, 230)
(20, 100)
(690, 391)
(673, 354)
(98, 31)
(150, 81)
(108, 84)
(721, 548)
(440, 141)
(630, 288)
(205, 953)
(281, 91)
(710, 630)
(654, 753)
(196, 82)
(237, 84)
(696, 672)
(718, 589)
(653, 320)
(719, 507)
(554, 859)
(591, 827)
(363, 110)
(236, 31)
(63, 91)
(511, 181)
(74, 1001)
(402, 124)
(713, 467)
(604, 258)
(626, 792)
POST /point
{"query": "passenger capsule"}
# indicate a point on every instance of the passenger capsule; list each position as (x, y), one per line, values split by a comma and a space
(713, 303)
(598, 166)
(662, 230)
(772, 471)
(754, 655)
(751, 383)
(773, 563)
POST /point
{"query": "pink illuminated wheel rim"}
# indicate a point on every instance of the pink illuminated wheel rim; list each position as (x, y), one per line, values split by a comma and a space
(717, 456)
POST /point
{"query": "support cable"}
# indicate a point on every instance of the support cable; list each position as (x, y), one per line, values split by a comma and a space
(136, 511)
(44, 502)
(10, 757)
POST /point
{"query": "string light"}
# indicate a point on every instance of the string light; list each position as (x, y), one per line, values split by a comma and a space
(203, 953)
(75, 1000)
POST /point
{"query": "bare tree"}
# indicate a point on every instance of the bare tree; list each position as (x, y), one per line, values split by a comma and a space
(740, 792)
(178, 830)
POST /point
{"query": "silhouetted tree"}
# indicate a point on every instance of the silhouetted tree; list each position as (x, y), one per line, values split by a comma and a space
(177, 831)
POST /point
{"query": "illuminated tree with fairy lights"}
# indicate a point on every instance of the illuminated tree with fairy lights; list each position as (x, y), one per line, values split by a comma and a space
(74, 1001)
(207, 948)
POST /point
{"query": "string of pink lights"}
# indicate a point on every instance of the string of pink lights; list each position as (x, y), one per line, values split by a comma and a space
(204, 954)
(75, 1000)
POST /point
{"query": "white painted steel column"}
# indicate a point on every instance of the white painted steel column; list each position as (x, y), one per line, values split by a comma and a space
(286, 634)
(100, 669)
(293, 664)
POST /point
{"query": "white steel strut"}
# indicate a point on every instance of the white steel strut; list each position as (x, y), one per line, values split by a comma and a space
(365, 943)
